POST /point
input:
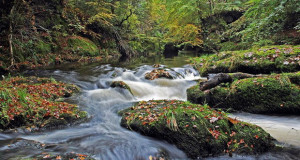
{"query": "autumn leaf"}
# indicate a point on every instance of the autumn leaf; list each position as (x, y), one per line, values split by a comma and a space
(233, 121)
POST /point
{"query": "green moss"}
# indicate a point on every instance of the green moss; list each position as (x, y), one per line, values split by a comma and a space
(33, 102)
(256, 60)
(294, 77)
(120, 84)
(82, 46)
(42, 47)
(272, 94)
(197, 130)
(195, 95)
(232, 46)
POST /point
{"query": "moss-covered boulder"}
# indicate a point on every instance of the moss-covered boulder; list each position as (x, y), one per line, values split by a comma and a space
(294, 77)
(120, 84)
(158, 73)
(278, 93)
(33, 102)
(256, 60)
(82, 46)
(198, 130)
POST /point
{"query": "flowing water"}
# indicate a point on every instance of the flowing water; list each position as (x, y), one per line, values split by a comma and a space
(103, 137)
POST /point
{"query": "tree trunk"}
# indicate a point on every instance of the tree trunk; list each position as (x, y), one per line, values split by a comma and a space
(123, 46)
(10, 38)
(215, 81)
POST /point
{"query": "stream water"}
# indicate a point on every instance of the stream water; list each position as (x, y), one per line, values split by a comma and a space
(103, 137)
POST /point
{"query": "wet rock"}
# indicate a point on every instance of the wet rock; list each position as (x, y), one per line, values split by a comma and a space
(157, 66)
(120, 84)
(158, 73)
(267, 94)
(197, 130)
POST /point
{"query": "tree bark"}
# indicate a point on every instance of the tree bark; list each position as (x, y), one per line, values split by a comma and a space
(10, 38)
(224, 78)
(215, 81)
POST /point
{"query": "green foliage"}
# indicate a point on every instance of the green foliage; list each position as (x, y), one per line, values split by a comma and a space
(263, 19)
(31, 49)
(179, 21)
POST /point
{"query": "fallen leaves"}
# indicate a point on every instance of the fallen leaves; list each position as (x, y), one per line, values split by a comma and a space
(34, 99)
(191, 120)
(233, 121)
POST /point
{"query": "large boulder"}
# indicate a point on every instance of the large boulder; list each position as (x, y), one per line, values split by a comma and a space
(197, 130)
(278, 93)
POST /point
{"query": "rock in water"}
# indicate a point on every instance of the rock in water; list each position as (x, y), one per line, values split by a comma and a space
(158, 73)
(197, 130)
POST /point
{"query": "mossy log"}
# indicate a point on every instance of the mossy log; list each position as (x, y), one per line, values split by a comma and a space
(224, 78)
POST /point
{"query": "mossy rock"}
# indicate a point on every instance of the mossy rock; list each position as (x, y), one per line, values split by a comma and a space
(158, 73)
(294, 77)
(65, 156)
(267, 60)
(36, 102)
(197, 130)
(64, 119)
(272, 94)
(120, 84)
(82, 46)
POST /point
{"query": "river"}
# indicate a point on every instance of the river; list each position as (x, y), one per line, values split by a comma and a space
(103, 138)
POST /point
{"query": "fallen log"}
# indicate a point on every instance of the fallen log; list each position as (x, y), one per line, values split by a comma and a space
(224, 78)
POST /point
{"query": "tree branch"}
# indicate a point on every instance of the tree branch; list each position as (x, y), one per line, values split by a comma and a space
(125, 19)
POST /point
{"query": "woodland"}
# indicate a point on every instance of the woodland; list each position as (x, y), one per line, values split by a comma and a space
(35, 33)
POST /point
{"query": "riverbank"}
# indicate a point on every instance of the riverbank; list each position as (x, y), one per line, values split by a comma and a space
(257, 60)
